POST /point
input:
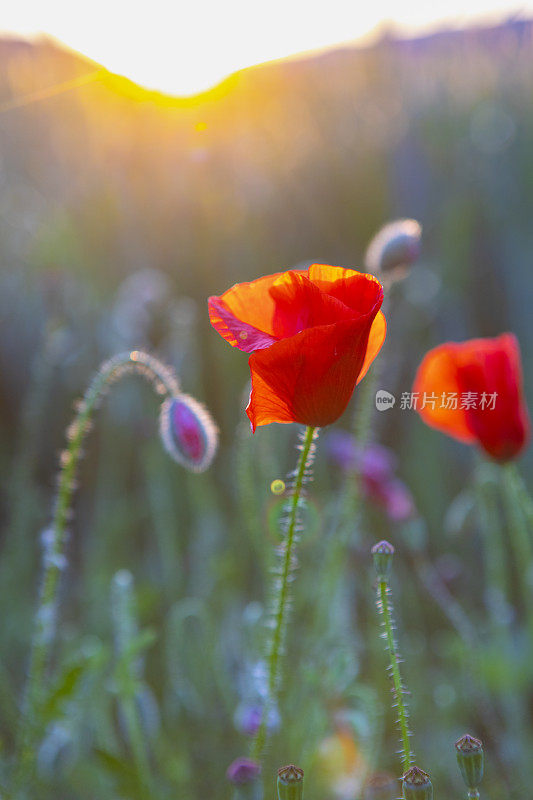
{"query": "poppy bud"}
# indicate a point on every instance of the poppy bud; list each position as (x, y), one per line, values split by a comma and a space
(395, 245)
(290, 783)
(188, 432)
(244, 774)
(382, 553)
(470, 760)
(416, 785)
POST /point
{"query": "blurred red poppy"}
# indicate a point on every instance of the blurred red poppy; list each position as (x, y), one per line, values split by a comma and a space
(312, 336)
(473, 391)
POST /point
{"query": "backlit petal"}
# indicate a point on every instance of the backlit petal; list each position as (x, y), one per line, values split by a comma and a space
(308, 378)
(438, 375)
(378, 331)
(357, 290)
(238, 333)
(250, 302)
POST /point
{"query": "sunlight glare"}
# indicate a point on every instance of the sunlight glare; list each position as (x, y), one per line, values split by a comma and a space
(185, 48)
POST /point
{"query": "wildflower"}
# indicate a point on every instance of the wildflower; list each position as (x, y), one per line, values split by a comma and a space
(249, 716)
(243, 770)
(375, 465)
(487, 375)
(188, 432)
(312, 336)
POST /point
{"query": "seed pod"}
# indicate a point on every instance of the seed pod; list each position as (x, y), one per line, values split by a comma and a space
(290, 783)
(396, 245)
(470, 760)
(188, 432)
(416, 785)
(244, 774)
(382, 553)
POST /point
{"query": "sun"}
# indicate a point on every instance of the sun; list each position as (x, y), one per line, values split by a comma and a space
(184, 48)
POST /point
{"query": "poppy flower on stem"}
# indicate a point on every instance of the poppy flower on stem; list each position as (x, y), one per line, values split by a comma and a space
(473, 391)
(311, 334)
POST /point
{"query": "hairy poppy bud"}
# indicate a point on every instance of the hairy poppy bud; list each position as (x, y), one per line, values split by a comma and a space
(290, 783)
(416, 785)
(382, 553)
(244, 774)
(470, 759)
(397, 244)
(188, 432)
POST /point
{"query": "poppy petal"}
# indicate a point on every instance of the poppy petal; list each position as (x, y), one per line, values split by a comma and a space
(492, 368)
(300, 304)
(358, 290)
(438, 375)
(308, 378)
(239, 334)
(251, 303)
(378, 331)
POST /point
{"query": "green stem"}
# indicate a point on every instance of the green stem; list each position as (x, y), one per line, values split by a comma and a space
(496, 590)
(385, 608)
(282, 594)
(525, 499)
(165, 383)
(519, 537)
(129, 677)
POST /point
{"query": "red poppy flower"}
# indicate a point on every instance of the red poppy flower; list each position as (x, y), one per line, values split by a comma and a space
(312, 336)
(473, 391)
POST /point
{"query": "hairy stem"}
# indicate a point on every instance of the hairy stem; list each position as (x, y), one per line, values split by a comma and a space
(282, 588)
(165, 383)
(385, 609)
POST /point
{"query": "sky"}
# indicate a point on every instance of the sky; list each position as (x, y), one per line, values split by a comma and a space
(187, 46)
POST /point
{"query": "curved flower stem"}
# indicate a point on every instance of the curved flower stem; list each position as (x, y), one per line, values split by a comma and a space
(165, 383)
(282, 585)
(385, 609)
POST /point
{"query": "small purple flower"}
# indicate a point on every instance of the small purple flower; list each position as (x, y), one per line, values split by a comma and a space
(398, 501)
(243, 770)
(248, 718)
(342, 449)
(188, 432)
(376, 465)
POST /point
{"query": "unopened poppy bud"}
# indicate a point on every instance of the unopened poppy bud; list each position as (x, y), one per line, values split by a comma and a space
(244, 774)
(188, 432)
(397, 244)
(470, 759)
(290, 783)
(382, 553)
(416, 785)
